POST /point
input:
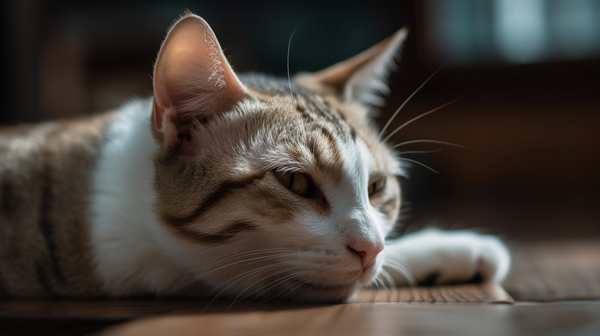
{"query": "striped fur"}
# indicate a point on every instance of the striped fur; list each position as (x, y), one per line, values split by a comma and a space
(44, 195)
(178, 194)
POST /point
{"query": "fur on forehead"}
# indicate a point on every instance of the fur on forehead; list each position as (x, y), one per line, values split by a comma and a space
(260, 135)
(269, 134)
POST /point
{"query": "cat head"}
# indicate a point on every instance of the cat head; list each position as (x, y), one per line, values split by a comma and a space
(267, 187)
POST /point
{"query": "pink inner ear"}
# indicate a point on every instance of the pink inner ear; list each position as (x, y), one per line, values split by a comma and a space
(192, 81)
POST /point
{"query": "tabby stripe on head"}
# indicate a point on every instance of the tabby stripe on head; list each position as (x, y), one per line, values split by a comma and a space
(220, 237)
(225, 190)
(337, 158)
(332, 166)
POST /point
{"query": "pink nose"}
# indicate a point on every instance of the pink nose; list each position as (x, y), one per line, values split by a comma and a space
(367, 250)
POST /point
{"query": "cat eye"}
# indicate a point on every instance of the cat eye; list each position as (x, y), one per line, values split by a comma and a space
(376, 186)
(296, 182)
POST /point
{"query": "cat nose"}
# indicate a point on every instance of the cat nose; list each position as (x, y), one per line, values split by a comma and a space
(367, 250)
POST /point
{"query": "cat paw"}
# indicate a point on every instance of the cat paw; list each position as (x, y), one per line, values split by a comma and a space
(434, 256)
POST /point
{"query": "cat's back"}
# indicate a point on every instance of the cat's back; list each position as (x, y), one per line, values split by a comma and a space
(45, 184)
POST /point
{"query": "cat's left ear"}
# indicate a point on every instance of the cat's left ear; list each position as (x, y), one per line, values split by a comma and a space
(362, 78)
(193, 83)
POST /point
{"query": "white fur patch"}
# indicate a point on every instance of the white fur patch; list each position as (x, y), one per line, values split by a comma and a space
(452, 256)
(124, 228)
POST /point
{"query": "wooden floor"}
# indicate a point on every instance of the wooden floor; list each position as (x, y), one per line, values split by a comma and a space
(555, 286)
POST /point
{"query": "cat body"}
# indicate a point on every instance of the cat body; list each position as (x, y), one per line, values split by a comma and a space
(240, 186)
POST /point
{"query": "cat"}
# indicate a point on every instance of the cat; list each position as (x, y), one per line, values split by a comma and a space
(221, 185)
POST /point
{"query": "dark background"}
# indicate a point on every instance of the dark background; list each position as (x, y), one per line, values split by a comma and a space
(532, 127)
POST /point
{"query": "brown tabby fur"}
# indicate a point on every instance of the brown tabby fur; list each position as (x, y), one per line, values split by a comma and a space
(45, 180)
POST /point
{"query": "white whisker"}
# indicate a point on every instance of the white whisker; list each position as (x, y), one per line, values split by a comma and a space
(402, 269)
(241, 255)
(243, 276)
(385, 287)
(254, 283)
(248, 273)
(406, 101)
(293, 289)
(390, 281)
(420, 163)
(388, 278)
(427, 140)
(247, 260)
(421, 152)
(418, 117)
(274, 283)
(288, 67)
(376, 294)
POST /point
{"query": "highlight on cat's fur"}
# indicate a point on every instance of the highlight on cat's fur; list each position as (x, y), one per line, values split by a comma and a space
(221, 185)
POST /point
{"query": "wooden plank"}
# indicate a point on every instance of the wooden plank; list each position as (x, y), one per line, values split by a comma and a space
(553, 271)
(380, 318)
(130, 309)
(470, 293)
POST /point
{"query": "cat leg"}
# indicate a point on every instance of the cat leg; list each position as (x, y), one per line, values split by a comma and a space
(443, 257)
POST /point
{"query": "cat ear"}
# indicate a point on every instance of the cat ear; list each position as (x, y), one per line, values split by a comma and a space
(363, 77)
(193, 81)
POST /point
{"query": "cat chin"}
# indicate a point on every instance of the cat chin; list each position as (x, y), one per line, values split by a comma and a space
(371, 273)
(310, 292)
(314, 292)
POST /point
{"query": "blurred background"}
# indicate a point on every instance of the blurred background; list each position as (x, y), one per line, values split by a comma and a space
(528, 71)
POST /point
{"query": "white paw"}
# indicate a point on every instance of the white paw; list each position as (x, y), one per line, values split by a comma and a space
(446, 256)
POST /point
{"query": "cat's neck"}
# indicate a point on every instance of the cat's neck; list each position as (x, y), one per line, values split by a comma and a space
(125, 234)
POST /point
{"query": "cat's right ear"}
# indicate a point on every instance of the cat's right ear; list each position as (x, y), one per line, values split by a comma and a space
(193, 83)
(361, 78)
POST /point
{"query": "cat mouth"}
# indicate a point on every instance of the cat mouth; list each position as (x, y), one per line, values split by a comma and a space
(335, 291)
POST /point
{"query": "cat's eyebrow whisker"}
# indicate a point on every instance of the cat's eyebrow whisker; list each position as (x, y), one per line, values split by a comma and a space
(421, 152)
(288, 67)
(419, 117)
(290, 79)
(429, 141)
(407, 100)
(421, 164)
